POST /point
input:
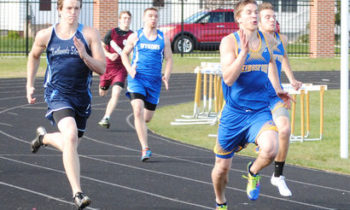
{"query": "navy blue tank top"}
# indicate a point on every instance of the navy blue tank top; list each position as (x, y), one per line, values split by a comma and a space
(66, 72)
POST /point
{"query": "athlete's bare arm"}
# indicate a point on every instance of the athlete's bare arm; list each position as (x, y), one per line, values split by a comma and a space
(275, 81)
(39, 45)
(286, 66)
(231, 64)
(130, 43)
(168, 56)
(96, 62)
(110, 56)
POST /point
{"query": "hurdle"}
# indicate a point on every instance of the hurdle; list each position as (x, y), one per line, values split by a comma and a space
(305, 105)
(208, 85)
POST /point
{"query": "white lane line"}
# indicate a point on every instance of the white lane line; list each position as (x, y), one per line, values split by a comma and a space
(16, 107)
(211, 165)
(89, 155)
(12, 113)
(160, 173)
(110, 184)
(166, 140)
(238, 156)
(6, 124)
(40, 194)
(203, 163)
(13, 97)
(206, 183)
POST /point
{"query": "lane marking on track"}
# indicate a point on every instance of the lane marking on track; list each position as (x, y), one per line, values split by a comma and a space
(40, 194)
(109, 183)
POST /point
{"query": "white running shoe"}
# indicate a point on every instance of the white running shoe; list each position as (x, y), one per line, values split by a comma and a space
(280, 183)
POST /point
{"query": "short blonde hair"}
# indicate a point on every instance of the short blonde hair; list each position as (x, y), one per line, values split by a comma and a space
(264, 6)
(60, 4)
(240, 5)
(150, 9)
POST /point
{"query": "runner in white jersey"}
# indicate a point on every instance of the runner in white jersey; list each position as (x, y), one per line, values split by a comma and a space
(149, 47)
(73, 53)
(280, 114)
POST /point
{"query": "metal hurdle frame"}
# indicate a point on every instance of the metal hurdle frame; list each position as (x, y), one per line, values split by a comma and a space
(207, 115)
(304, 92)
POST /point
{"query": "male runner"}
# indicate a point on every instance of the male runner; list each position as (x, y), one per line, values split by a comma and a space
(280, 114)
(247, 65)
(73, 53)
(115, 74)
(149, 47)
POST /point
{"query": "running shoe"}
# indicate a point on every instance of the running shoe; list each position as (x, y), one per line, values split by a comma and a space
(104, 123)
(280, 183)
(146, 154)
(221, 206)
(38, 141)
(81, 200)
(253, 185)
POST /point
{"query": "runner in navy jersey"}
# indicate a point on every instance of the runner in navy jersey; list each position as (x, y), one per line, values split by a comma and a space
(73, 53)
(149, 47)
(116, 73)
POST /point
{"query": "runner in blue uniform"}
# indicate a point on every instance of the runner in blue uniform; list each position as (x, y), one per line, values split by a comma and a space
(73, 53)
(247, 65)
(280, 114)
(149, 47)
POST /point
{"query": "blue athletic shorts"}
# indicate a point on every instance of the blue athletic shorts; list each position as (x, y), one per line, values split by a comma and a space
(274, 100)
(81, 105)
(237, 128)
(148, 86)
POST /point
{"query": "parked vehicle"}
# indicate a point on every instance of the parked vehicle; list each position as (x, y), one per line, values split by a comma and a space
(201, 31)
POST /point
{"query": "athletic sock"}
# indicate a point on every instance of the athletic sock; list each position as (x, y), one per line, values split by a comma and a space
(278, 168)
(223, 204)
(250, 171)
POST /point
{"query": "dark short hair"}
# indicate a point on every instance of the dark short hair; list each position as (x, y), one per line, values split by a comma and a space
(124, 12)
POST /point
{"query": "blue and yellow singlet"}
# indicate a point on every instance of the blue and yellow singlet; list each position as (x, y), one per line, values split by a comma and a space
(278, 53)
(248, 92)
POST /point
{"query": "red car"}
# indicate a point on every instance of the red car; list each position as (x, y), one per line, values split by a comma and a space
(202, 30)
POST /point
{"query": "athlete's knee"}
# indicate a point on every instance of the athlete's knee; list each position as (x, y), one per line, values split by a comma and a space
(71, 137)
(268, 151)
(138, 111)
(269, 148)
(284, 131)
(221, 167)
(148, 119)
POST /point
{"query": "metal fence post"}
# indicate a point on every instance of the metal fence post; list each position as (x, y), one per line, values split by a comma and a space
(27, 25)
(182, 28)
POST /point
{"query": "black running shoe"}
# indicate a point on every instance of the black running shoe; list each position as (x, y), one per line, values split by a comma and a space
(81, 200)
(38, 141)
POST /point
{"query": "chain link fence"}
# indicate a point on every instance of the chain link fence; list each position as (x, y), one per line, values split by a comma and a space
(195, 27)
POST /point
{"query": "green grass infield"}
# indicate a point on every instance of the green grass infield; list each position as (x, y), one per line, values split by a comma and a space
(323, 155)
